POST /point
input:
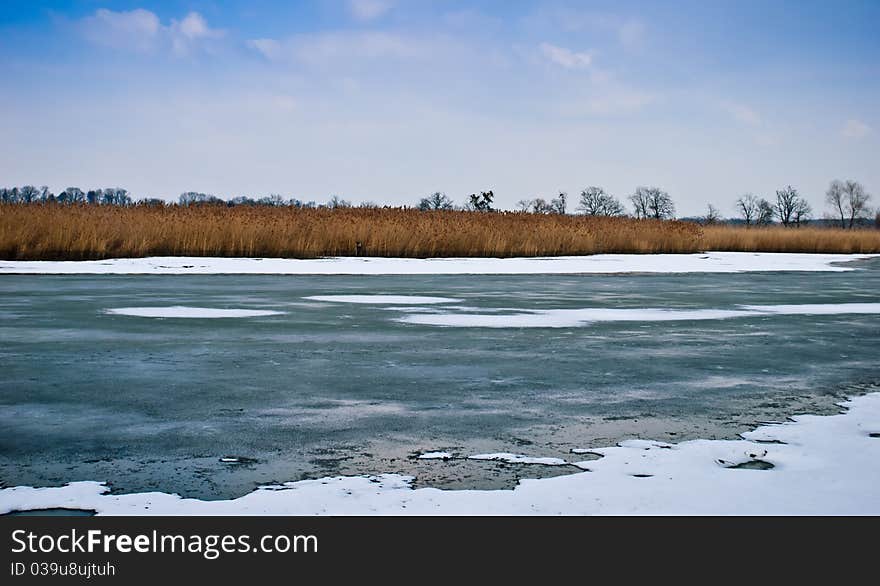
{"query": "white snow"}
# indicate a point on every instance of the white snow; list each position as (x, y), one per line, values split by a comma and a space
(435, 456)
(815, 308)
(519, 459)
(384, 299)
(189, 312)
(566, 318)
(827, 465)
(709, 262)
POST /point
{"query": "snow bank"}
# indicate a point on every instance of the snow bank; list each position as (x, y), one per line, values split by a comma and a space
(566, 318)
(828, 465)
(384, 299)
(189, 312)
(710, 262)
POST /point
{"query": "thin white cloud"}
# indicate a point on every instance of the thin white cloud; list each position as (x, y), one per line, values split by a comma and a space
(365, 10)
(137, 30)
(742, 113)
(855, 129)
(335, 51)
(186, 33)
(269, 48)
(142, 31)
(345, 46)
(566, 57)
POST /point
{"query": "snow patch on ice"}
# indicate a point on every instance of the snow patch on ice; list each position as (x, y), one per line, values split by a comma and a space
(815, 308)
(519, 459)
(566, 318)
(384, 299)
(641, 444)
(180, 311)
(435, 456)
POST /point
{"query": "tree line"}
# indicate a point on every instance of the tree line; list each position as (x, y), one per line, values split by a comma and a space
(71, 195)
(848, 200)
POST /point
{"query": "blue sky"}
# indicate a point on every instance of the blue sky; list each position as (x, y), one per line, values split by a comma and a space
(389, 100)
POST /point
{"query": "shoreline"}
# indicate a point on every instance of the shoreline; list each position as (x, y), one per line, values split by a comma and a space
(772, 469)
(707, 262)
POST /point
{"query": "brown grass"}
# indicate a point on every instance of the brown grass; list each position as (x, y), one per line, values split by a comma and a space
(53, 232)
(779, 239)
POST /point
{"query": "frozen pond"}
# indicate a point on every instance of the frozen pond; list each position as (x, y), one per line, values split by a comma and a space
(209, 385)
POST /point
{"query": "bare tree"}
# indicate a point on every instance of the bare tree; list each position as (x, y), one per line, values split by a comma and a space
(273, 199)
(790, 206)
(337, 202)
(241, 200)
(802, 212)
(850, 201)
(713, 216)
(116, 196)
(193, 198)
(481, 202)
(72, 195)
(539, 205)
(766, 212)
(748, 207)
(834, 198)
(596, 202)
(28, 194)
(436, 201)
(542, 206)
(652, 202)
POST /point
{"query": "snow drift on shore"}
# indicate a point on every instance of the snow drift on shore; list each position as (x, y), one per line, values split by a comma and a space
(825, 465)
(710, 262)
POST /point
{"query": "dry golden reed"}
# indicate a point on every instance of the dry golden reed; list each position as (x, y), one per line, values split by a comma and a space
(56, 232)
(779, 239)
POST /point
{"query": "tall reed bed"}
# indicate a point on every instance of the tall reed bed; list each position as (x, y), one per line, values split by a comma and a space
(779, 239)
(54, 232)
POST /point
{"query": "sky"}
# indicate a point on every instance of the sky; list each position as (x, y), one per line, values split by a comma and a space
(390, 100)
